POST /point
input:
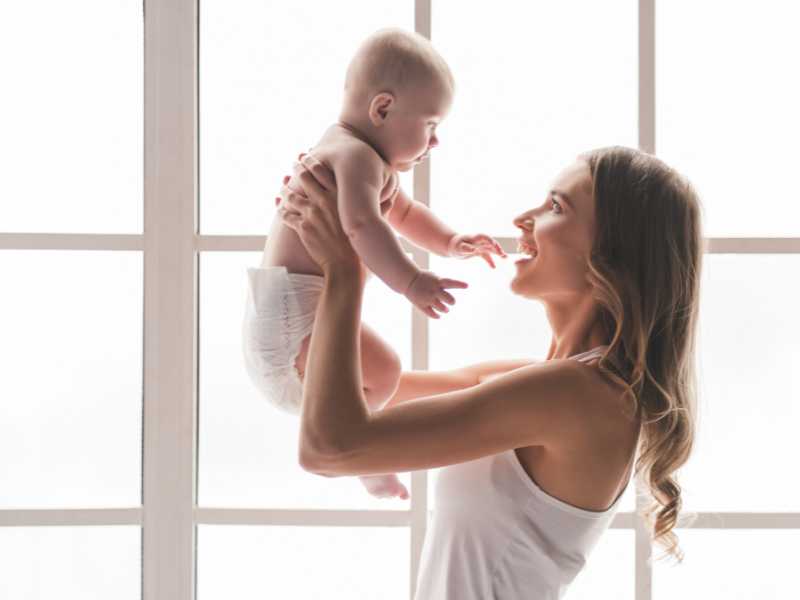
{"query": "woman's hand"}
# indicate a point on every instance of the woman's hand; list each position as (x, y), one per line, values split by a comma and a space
(313, 213)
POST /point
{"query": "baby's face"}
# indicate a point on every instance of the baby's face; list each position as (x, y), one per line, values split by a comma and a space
(411, 131)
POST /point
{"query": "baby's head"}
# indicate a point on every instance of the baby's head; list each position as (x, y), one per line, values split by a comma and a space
(398, 88)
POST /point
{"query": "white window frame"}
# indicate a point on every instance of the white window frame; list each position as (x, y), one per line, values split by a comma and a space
(171, 244)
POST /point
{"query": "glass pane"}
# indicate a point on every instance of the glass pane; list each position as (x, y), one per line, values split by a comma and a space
(726, 112)
(72, 379)
(489, 322)
(536, 86)
(271, 78)
(749, 386)
(71, 146)
(735, 565)
(303, 563)
(248, 448)
(71, 563)
(609, 571)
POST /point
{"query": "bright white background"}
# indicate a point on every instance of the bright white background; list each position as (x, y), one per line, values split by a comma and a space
(536, 83)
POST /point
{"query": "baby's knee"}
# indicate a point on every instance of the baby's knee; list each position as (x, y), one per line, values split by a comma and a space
(391, 369)
(382, 380)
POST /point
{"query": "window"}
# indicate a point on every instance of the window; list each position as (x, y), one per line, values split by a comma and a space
(140, 182)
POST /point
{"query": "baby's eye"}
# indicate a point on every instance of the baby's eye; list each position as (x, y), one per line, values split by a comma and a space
(554, 203)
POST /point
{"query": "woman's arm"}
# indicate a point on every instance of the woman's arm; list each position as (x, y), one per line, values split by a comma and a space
(418, 384)
(546, 405)
(535, 405)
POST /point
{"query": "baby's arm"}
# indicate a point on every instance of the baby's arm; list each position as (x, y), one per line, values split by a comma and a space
(417, 223)
(359, 179)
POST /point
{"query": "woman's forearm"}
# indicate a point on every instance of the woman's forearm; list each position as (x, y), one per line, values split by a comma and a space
(333, 399)
(419, 384)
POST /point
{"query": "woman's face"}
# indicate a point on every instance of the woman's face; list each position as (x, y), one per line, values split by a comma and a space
(560, 230)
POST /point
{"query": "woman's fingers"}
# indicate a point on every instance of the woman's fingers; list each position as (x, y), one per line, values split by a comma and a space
(488, 258)
(292, 219)
(294, 200)
(309, 183)
(320, 172)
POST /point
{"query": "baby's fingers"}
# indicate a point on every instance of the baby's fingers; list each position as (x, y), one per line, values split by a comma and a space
(492, 244)
(440, 306)
(453, 283)
(447, 297)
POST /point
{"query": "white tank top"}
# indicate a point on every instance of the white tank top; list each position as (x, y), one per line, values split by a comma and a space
(495, 534)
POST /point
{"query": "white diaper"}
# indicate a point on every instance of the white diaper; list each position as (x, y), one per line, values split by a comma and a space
(279, 314)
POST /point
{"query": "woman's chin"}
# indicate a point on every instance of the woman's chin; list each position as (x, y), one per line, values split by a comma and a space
(520, 286)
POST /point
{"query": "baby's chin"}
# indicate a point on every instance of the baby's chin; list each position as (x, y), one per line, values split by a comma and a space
(408, 165)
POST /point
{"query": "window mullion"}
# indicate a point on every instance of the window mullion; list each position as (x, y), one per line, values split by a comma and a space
(170, 284)
(420, 332)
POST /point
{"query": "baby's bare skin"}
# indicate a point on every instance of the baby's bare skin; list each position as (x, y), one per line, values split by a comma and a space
(283, 247)
(383, 128)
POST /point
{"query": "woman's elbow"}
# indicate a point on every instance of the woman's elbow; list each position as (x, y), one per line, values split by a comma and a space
(314, 461)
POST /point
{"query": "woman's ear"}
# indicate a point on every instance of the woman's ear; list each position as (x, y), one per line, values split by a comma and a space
(379, 108)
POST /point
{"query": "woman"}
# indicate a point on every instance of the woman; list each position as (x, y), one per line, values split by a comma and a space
(536, 453)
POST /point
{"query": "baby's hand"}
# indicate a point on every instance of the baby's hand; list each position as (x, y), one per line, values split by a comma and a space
(427, 292)
(466, 246)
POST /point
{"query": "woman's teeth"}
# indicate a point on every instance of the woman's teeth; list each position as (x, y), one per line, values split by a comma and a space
(523, 248)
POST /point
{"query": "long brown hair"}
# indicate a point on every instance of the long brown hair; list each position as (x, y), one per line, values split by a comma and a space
(645, 270)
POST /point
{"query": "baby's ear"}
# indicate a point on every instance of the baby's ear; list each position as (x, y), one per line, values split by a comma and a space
(379, 108)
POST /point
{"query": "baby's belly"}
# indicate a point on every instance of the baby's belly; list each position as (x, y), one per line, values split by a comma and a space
(284, 249)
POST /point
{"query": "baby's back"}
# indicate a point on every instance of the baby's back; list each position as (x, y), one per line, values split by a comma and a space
(284, 247)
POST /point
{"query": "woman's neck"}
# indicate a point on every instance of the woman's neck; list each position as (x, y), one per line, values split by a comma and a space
(576, 328)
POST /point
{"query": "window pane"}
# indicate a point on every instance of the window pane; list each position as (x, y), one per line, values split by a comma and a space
(303, 563)
(248, 448)
(749, 386)
(536, 83)
(71, 143)
(71, 415)
(489, 322)
(609, 571)
(735, 565)
(726, 111)
(270, 83)
(71, 563)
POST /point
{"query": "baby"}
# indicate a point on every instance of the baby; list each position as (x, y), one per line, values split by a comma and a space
(397, 90)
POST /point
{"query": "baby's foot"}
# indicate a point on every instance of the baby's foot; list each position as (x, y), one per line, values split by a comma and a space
(384, 486)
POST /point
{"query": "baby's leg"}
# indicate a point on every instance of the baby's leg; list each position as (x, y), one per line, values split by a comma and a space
(380, 367)
(380, 375)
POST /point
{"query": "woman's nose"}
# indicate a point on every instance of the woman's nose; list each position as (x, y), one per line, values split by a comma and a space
(524, 222)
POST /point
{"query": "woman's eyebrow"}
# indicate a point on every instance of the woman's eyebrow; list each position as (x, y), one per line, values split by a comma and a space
(564, 197)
